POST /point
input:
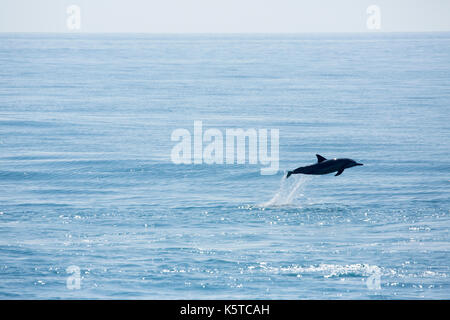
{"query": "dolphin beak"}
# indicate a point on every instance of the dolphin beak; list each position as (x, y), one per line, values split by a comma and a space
(359, 164)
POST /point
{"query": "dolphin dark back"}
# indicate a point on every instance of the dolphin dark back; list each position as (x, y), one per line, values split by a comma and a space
(325, 166)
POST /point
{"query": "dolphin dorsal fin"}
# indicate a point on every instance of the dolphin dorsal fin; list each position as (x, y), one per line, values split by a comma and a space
(320, 158)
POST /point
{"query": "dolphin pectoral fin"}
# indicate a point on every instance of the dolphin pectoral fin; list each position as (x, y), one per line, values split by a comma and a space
(339, 172)
(320, 158)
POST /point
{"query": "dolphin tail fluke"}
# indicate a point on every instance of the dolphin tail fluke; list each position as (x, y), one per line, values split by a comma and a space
(289, 174)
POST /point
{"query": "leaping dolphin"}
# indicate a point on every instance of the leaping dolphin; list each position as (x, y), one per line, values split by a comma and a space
(324, 166)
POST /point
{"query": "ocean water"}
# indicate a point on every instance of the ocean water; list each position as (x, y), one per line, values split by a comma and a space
(86, 177)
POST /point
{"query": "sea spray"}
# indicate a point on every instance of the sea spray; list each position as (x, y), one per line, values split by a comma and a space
(288, 191)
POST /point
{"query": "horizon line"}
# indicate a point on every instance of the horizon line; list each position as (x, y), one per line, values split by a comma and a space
(220, 33)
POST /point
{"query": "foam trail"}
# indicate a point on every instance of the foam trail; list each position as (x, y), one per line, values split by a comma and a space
(288, 190)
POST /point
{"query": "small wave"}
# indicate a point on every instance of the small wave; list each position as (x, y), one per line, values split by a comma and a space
(288, 191)
(325, 270)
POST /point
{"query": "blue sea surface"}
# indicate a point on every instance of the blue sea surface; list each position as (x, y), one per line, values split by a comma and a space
(87, 180)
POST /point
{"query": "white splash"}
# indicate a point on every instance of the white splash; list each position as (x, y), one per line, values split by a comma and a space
(288, 190)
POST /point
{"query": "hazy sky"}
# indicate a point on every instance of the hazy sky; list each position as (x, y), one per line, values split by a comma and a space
(213, 16)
